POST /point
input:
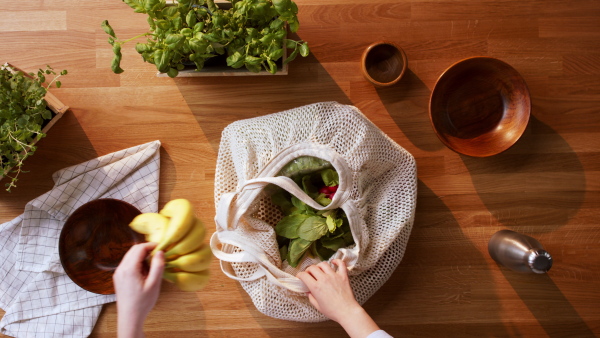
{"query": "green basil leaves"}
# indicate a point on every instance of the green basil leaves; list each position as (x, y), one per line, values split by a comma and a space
(251, 34)
(303, 229)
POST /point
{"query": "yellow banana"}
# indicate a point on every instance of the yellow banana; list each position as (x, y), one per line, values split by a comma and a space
(181, 219)
(187, 281)
(152, 225)
(196, 261)
(190, 242)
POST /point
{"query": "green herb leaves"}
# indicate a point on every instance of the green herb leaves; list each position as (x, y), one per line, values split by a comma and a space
(304, 228)
(313, 228)
(236, 60)
(289, 225)
(330, 177)
(107, 28)
(116, 62)
(22, 113)
(161, 60)
(251, 33)
(137, 5)
(297, 249)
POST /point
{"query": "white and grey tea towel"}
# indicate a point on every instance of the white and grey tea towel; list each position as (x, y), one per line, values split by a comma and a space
(39, 299)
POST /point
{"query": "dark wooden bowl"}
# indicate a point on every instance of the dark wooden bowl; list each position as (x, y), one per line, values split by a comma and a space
(93, 241)
(383, 63)
(480, 106)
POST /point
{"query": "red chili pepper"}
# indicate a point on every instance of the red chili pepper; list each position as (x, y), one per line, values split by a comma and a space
(332, 189)
(324, 190)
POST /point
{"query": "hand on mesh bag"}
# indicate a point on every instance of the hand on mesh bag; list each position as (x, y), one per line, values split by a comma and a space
(331, 294)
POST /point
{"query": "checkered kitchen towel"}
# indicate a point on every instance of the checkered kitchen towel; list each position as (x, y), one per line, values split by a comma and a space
(40, 300)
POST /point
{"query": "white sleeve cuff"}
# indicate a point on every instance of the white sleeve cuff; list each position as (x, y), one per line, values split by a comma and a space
(379, 334)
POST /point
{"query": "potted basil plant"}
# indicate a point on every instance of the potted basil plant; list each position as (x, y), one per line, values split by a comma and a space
(246, 33)
(27, 111)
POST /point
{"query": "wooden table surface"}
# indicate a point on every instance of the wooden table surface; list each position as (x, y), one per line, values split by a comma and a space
(546, 186)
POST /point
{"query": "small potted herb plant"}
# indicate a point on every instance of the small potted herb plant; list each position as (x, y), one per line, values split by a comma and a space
(27, 111)
(250, 34)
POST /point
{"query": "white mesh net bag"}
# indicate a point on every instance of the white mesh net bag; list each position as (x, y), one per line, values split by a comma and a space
(377, 191)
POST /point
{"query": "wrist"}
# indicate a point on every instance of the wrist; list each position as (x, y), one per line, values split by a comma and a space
(357, 323)
(350, 315)
(129, 330)
(129, 325)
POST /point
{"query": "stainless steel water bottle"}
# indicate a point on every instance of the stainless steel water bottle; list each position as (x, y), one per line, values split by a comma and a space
(519, 252)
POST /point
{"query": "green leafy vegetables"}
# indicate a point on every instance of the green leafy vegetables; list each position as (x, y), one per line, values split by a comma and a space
(23, 112)
(251, 33)
(303, 229)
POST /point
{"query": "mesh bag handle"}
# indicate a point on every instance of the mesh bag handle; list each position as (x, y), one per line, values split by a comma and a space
(233, 206)
(252, 254)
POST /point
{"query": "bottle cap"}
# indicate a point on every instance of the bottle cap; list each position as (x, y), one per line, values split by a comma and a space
(539, 261)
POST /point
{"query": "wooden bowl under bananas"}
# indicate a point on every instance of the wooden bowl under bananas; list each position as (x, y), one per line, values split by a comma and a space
(180, 234)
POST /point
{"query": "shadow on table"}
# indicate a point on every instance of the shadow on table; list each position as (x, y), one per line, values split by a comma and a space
(288, 328)
(537, 292)
(443, 286)
(66, 144)
(407, 102)
(166, 166)
(242, 97)
(539, 181)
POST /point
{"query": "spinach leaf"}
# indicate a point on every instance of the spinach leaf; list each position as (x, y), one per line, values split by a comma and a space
(333, 223)
(302, 227)
(298, 204)
(283, 252)
(298, 247)
(303, 165)
(320, 251)
(288, 227)
(308, 187)
(283, 200)
(333, 243)
(313, 228)
(322, 200)
(330, 177)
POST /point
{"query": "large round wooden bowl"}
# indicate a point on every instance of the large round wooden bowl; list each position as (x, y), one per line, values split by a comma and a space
(93, 241)
(480, 106)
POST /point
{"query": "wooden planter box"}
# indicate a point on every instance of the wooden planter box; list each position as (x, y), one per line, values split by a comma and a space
(53, 103)
(190, 71)
(227, 71)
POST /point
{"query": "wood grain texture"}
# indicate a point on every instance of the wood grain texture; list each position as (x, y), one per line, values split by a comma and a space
(546, 186)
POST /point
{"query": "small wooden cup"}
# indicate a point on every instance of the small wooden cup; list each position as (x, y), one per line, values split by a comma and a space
(383, 63)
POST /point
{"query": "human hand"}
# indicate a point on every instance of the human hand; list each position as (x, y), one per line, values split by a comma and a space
(137, 288)
(330, 290)
(331, 294)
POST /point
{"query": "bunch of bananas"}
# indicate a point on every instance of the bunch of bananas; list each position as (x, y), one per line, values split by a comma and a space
(180, 235)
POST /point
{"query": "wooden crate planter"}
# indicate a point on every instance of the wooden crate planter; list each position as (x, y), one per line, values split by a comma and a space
(224, 70)
(53, 103)
(191, 71)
